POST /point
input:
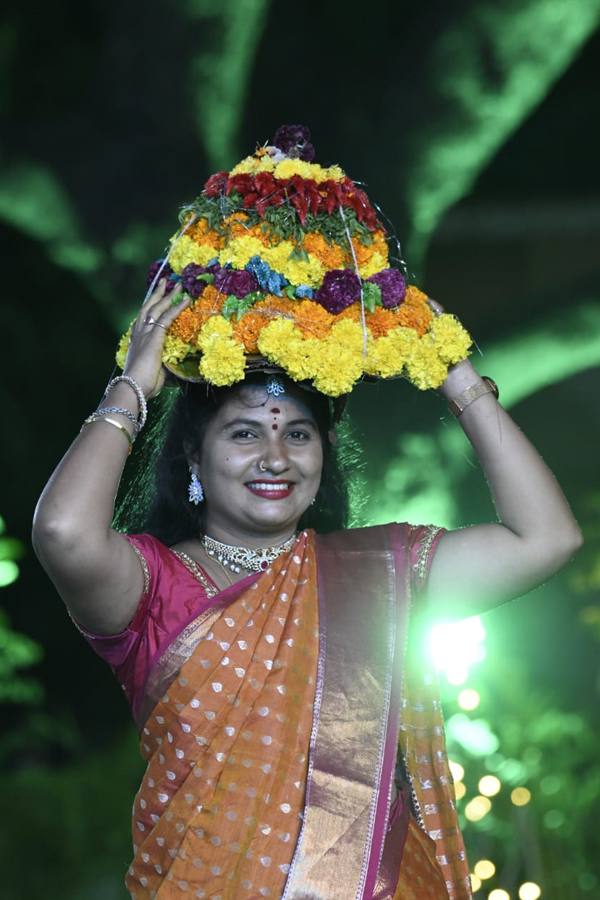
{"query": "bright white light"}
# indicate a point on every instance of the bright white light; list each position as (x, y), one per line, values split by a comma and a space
(457, 645)
(489, 785)
(499, 895)
(468, 699)
(530, 891)
(458, 773)
(485, 868)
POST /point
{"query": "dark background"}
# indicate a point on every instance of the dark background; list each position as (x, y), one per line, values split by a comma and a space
(474, 126)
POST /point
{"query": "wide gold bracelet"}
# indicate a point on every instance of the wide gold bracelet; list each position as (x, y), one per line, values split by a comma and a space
(486, 386)
(95, 418)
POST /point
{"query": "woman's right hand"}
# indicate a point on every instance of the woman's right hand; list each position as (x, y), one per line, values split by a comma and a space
(148, 334)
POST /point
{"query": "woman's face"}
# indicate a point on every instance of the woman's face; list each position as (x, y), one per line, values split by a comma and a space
(250, 431)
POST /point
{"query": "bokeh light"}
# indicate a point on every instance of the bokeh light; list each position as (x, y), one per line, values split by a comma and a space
(460, 789)
(475, 883)
(477, 808)
(468, 699)
(520, 796)
(458, 773)
(499, 894)
(489, 785)
(530, 891)
(485, 868)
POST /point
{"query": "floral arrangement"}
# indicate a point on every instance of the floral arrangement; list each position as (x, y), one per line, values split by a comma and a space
(287, 263)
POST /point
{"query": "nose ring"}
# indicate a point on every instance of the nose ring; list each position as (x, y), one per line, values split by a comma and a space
(262, 466)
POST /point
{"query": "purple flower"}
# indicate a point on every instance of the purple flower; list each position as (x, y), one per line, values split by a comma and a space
(392, 286)
(340, 288)
(155, 268)
(189, 279)
(238, 282)
(294, 141)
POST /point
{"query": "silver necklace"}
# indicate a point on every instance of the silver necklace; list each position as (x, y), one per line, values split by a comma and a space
(238, 558)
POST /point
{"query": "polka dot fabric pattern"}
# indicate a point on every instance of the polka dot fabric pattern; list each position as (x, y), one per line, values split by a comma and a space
(218, 811)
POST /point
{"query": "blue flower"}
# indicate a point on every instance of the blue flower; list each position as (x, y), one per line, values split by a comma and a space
(303, 290)
(270, 281)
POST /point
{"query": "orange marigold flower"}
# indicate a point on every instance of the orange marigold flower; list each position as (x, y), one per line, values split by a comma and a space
(312, 319)
(364, 253)
(353, 312)
(188, 323)
(248, 328)
(332, 256)
(203, 235)
(415, 312)
(380, 321)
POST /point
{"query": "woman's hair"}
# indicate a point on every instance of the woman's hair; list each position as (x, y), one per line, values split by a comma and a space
(153, 497)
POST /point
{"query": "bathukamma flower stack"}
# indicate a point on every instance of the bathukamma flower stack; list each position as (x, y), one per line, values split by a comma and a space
(287, 265)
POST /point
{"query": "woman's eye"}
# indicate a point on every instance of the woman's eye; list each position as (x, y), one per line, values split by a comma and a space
(243, 435)
(299, 435)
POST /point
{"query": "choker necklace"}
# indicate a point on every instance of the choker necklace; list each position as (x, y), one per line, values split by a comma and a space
(238, 558)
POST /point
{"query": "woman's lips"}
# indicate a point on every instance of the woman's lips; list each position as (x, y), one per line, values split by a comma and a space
(271, 490)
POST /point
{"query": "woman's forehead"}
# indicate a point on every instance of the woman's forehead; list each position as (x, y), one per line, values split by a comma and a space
(256, 398)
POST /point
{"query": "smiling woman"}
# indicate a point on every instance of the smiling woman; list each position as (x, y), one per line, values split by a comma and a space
(290, 723)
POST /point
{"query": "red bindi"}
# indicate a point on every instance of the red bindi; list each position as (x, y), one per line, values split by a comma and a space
(274, 427)
(275, 409)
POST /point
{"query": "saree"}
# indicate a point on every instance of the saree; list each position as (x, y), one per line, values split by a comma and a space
(270, 726)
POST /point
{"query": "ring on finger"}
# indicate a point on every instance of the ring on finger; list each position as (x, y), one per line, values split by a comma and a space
(150, 320)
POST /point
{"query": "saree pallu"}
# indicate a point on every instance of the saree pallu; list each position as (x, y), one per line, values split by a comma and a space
(271, 744)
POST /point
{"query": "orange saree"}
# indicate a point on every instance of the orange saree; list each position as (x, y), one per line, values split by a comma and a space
(271, 730)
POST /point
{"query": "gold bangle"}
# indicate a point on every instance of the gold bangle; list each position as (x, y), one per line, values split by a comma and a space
(486, 386)
(93, 418)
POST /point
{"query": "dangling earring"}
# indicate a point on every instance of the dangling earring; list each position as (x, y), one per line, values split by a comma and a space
(196, 494)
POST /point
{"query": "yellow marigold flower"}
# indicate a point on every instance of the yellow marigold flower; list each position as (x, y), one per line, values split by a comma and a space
(452, 341)
(223, 359)
(240, 250)
(340, 361)
(301, 359)
(387, 356)
(251, 165)
(377, 263)
(287, 168)
(275, 337)
(121, 354)
(175, 349)
(338, 370)
(185, 251)
(424, 366)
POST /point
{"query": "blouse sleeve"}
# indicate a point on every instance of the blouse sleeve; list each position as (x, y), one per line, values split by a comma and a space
(114, 649)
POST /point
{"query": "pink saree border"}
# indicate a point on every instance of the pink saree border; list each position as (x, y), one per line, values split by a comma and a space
(373, 557)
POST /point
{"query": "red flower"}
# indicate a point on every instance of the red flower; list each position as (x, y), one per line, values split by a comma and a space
(215, 186)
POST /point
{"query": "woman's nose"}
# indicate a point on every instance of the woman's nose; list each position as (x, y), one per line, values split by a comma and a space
(274, 459)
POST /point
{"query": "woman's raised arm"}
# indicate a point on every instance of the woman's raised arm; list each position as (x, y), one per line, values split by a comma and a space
(94, 568)
(479, 567)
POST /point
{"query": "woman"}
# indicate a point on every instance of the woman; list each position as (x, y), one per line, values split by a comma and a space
(265, 664)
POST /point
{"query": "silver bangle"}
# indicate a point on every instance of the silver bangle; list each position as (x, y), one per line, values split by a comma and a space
(139, 394)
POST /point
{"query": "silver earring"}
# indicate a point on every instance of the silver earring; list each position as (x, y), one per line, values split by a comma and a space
(196, 494)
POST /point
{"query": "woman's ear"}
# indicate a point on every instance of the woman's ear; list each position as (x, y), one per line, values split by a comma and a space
(192, 458)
